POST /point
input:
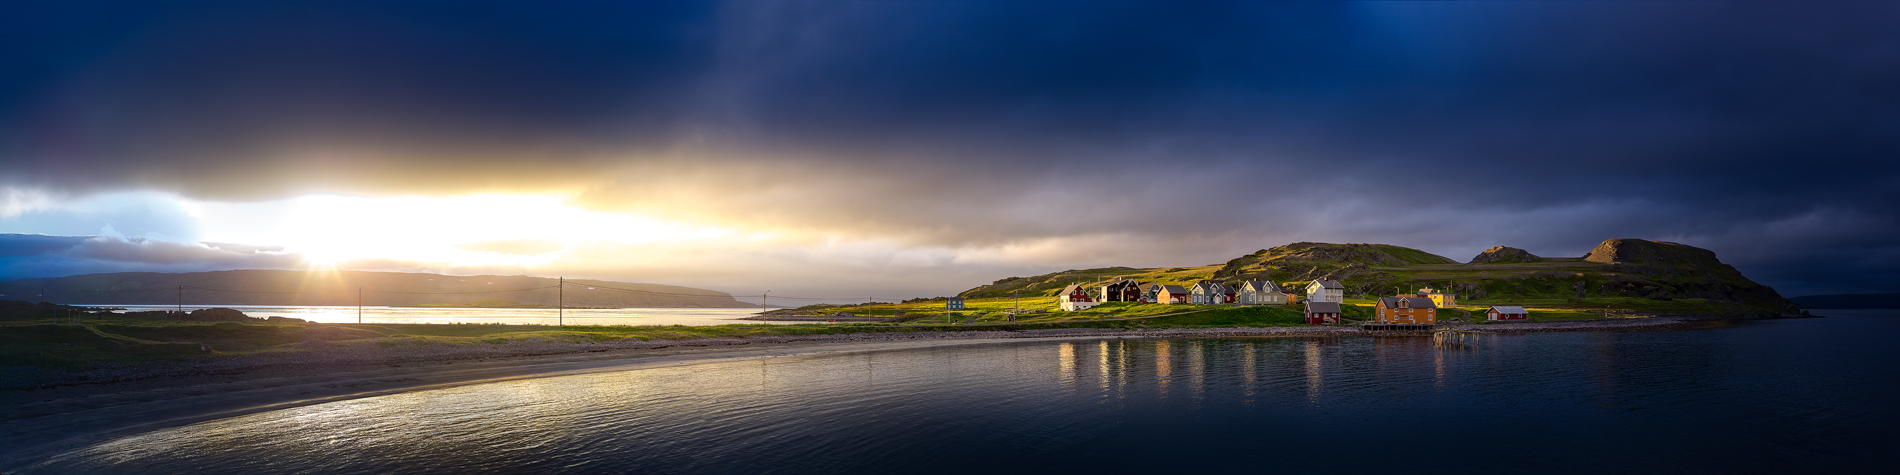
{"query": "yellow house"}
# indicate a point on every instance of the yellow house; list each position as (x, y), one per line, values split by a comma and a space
(1441, 300)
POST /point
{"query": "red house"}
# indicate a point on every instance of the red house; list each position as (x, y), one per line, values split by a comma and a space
(1502, 312)
(1075, 297)
(1322, 313)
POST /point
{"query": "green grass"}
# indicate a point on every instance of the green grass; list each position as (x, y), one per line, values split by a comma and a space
(56, 343)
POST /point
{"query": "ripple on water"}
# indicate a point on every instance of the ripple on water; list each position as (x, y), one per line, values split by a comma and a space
(1749, 397)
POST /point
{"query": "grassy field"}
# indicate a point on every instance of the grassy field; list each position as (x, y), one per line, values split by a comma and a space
(57, 341)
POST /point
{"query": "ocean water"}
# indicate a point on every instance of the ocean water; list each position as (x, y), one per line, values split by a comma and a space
(511, 316)
(1790, 396)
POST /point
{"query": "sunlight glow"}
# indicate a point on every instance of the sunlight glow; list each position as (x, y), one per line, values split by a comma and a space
(482, 230)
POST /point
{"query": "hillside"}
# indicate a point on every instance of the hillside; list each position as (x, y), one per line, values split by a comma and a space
(340, 288)
(1658, 276)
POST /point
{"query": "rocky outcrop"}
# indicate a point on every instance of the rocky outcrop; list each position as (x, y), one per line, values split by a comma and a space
(1504, 255)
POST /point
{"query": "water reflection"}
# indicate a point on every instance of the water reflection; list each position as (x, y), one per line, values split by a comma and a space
(1039, 407)
(1313, 375)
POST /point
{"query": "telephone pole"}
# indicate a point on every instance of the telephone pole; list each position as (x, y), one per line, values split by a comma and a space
(762, 299)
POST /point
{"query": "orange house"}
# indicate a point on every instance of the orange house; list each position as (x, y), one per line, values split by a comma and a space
(1405, 310)
(1172, 294)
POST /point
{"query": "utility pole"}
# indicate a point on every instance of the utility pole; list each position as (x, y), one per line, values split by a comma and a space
(560, 303)
(762, 298)
(359, 305)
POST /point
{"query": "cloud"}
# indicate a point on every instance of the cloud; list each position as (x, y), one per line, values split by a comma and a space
(1043, 131)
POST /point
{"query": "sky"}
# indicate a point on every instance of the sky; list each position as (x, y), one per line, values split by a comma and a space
(899, 149)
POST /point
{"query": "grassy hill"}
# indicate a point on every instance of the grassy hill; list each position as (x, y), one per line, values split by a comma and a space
(1618, 276)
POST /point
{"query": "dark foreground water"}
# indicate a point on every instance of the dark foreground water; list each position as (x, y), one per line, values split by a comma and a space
(1800, 396)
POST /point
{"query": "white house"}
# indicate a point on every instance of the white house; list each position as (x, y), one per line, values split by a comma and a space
(1326, 291)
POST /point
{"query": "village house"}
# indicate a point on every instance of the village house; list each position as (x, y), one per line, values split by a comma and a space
(1209, 293)
(1322, 313)
(1326, 291)
(1150, 292)
(1259, 292)
(1171, 294)
(1121, 290)
(1443, 300)
(1075, 297)
(1506, 312)
(1405, 310)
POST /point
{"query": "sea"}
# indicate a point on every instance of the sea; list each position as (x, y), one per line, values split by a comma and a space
(1778, 396)
(510, 316)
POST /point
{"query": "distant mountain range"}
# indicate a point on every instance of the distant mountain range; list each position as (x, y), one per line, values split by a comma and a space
(1849, 301)
(342, 288)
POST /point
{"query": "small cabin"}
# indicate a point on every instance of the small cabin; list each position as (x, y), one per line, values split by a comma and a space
(1171, 295)
(1257, 292)
(1506, 312)
(953, 303)
(1405, 310)
(1326, 291)
(1075, 297)
(1322, 313)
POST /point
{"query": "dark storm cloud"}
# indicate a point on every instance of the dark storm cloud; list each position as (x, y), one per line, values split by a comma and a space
(1449, 126)
(29, 255)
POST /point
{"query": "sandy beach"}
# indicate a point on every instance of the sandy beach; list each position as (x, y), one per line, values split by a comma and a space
(77, 409)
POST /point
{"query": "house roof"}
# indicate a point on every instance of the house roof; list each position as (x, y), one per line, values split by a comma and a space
(1174, 289)
(1416, 302)
(1070, 288)
(1509, 309)
(1210, 287)
(1261, 286)
(1322, 307)
(1329, 284)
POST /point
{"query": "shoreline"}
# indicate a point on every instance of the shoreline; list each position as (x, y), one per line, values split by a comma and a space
(85, 408)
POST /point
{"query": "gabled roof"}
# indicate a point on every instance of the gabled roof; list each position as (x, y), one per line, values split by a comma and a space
(1210, 287)
(1174, 289)
(1329, 284)
(1509, 309)
(1071, 289)
(1322, 307)
(1261, 286)
(1416, 302)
